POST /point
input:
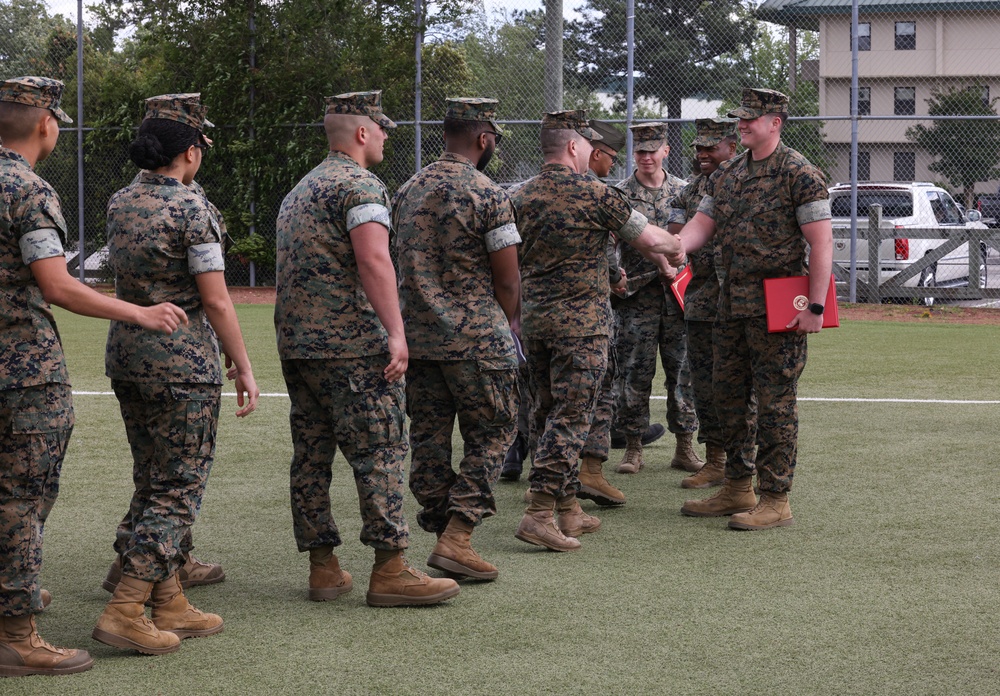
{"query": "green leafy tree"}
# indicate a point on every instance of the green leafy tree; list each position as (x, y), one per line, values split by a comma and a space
(968, 149)
(27, 43)
(683, 49)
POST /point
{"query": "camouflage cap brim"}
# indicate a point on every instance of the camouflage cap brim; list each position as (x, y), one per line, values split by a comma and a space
(382, 120)
(706, 141)
(746, 113)
(649, 145)
(589, 133)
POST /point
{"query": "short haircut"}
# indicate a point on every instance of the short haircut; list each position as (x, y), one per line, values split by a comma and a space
(782, 117)
(464, 129)
(340, 128)
(554, 140)
(18, 121)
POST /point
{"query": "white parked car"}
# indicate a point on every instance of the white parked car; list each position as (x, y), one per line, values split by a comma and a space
(906, 205)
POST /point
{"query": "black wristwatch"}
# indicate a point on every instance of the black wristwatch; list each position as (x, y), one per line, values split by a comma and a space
(816, 309)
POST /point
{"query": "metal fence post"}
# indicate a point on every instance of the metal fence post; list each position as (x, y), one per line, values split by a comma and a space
(874, 258)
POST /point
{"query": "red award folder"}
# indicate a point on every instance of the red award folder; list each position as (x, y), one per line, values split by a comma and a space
(680, 284)
(786, 297)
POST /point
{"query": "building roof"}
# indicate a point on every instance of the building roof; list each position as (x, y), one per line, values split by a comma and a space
(805, 14)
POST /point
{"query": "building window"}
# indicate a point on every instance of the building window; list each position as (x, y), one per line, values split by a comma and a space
(864, 101)
(904, 101)
(906, 36)
(864, 36)
(904, 166)
(864, 166)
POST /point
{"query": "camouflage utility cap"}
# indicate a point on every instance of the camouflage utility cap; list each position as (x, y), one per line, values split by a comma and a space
(712, 131)
(474, 109)
(757, 102)
(610, 136)
(43, 92)
(360, 104)
(570, 120)
(183, 108)
(648, 136)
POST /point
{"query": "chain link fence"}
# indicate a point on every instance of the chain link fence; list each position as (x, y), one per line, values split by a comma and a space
(926, 128)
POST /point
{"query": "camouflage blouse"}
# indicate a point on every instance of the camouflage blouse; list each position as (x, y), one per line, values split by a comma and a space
(564, 219)
(655, 204)
(161, 234)
(31, 229)
(449, 218)
(322, 310)
(757, 224)
(701, 299)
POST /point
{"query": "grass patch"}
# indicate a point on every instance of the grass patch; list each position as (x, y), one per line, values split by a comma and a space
(886, 584)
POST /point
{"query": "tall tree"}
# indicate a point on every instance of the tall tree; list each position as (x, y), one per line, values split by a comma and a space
(968, 149)
(679, 45)
(26, 39)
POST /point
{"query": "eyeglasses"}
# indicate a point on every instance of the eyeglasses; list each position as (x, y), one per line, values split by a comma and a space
(201, 146)
(495, 135)
(612, 157)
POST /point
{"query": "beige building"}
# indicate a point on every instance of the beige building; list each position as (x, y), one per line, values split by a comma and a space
(906, 51)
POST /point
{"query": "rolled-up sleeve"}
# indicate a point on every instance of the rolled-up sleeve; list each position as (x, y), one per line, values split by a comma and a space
(203, 258)
(368, 212)
(631, 230)
(502, 237)
(40, 244)
(812, 212)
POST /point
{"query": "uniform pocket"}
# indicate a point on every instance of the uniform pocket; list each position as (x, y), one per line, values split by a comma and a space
(498, 381)
(36, 451)
(201, 416)
(376, 409)
(585, 380)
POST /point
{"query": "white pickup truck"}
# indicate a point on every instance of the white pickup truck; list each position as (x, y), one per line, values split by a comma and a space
(905, 205)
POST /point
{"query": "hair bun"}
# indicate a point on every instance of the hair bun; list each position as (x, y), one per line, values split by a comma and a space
(147, 152)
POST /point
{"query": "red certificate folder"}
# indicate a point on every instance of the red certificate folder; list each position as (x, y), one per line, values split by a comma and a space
(786, 297)
(680, 285)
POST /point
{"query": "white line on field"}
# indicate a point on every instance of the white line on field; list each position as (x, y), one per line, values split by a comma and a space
(663, 398)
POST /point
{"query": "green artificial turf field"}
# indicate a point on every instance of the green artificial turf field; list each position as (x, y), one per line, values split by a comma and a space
(885, 585)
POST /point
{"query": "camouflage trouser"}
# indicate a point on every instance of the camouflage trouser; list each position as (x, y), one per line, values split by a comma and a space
(524, 402)
(35, 425)
(599, 438)
(750, 361)
(171, 430)
(483, 395)
(346, 402)
(564, 375)
(644, 326)
(700, 360)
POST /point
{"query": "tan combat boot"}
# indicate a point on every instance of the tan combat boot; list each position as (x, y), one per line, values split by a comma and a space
(192, 574)
(172, 612)
(685, 458)
(772, 511)
(538, 526)
(736, 495)
(453, 553)
(712, 473)
(326, 579)
(397, 584)
(124, 624)
(632, 459)
(572, 520)
(593, 485)
(23, 652)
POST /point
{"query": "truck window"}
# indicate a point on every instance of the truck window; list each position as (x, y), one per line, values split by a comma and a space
(895, 204)
(945, 210)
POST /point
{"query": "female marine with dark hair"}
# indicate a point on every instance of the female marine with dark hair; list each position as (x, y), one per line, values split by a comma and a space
(164, 242)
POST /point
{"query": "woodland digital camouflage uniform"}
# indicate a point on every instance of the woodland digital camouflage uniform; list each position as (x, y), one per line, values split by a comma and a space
(701, 299)
(449, 218)
(36, 408)
(564, 219)
(161, 235)
(757, 221)
(124, 532)
(649, 318)
(333, 349)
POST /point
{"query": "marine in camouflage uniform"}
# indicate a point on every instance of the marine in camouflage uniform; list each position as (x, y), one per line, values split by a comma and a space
(453, 227)
(593, 485)
(714, 143)
(762, 213)
(193, 572)
(565, 217)
(36, 409)
(334, 345)
(651, 318)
